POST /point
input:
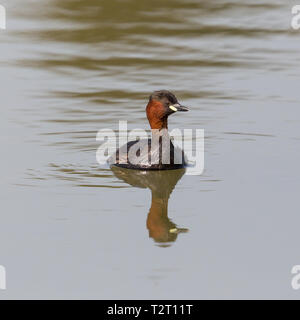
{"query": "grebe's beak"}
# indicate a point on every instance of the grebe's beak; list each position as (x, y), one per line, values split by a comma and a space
(178, 107)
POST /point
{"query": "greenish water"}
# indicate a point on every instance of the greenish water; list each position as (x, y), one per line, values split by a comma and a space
(71, 229)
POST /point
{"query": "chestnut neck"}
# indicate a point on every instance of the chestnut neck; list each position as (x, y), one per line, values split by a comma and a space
(156, 115)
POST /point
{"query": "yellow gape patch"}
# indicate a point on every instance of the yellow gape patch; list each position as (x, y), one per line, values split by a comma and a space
(173, 108)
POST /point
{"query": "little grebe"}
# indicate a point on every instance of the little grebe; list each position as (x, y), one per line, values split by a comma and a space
(157, 153)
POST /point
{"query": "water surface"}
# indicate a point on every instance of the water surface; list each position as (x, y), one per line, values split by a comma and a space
(70, 229)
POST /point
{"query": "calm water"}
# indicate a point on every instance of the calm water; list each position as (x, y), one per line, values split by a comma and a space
(70, 229)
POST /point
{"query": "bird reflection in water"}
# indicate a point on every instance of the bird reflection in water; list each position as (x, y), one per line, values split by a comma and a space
(161, 183)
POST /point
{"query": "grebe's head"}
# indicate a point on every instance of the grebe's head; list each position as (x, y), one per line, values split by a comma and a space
(161, 104)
